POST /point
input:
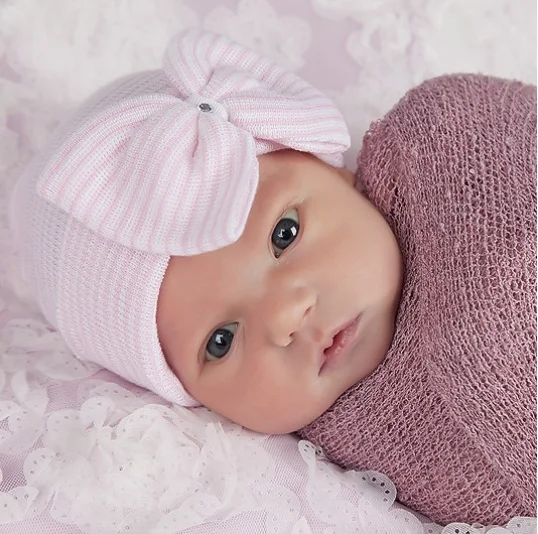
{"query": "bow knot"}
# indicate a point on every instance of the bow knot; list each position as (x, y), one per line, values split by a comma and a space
(176, 174)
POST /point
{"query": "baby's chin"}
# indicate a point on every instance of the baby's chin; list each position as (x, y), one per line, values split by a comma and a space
(305, 409)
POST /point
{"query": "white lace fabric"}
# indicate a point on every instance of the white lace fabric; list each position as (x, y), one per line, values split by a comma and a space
(82, 451)
(87, 452)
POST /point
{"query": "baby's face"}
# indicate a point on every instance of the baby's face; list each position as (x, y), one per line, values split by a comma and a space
(256, 331)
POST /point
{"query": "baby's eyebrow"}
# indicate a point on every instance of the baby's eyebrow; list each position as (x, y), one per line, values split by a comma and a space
(277, 197)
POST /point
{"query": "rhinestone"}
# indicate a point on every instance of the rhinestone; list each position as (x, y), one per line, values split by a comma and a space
(205, 107)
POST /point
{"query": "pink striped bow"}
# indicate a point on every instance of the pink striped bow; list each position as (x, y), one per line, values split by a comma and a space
(176, 172)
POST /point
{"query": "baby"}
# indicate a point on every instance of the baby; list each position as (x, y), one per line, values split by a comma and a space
(193, 230)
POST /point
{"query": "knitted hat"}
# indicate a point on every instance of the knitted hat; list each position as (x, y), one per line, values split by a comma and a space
(159, 163)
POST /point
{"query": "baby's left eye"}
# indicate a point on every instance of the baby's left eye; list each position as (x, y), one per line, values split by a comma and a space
(285, 232)
(220, 342)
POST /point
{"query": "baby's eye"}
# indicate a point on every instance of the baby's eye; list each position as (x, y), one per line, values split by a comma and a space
(220, 342)
(285, 232)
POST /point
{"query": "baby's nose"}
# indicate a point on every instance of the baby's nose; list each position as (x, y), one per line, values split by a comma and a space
(287, 313)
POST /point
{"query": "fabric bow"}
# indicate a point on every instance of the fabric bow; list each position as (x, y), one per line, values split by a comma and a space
(176, 172)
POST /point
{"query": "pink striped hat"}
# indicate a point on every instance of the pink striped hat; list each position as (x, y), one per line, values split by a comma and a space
(135, 177)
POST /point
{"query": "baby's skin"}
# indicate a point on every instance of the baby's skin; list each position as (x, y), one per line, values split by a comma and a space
(271, 330)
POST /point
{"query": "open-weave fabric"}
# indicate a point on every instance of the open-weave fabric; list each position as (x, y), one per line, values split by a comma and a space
(450, 415)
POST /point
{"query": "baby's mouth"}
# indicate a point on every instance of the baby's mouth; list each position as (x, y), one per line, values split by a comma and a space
(342, 343)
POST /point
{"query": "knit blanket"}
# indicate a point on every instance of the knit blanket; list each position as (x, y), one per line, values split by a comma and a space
(450, 415)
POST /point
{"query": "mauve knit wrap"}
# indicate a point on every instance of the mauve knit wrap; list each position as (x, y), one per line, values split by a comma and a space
(450, 415)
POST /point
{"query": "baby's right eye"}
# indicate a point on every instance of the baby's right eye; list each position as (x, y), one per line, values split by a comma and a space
(220, 342)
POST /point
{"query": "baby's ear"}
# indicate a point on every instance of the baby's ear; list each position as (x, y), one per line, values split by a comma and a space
(348, 176)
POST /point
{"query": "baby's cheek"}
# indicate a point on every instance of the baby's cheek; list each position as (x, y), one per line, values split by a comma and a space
(269, 408)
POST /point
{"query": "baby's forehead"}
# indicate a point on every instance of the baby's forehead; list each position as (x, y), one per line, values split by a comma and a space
(286, 164)
(286, 157)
